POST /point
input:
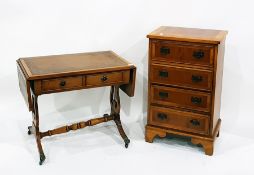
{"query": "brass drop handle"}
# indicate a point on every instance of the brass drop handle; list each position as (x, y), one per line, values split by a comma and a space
(104, 78)
(198, 54)
(164, 51)
(62, 83)
(195, 122)
(163, 74)
(162, 116)
(196, 78)
(196, 100)
(163, 94)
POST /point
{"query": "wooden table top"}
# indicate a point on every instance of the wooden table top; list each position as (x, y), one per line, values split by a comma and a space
(72, 64)
(189, 34)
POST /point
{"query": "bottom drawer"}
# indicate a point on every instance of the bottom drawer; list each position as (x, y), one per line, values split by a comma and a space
(180, 120)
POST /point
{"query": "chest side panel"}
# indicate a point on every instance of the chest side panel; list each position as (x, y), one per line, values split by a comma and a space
(219, 60)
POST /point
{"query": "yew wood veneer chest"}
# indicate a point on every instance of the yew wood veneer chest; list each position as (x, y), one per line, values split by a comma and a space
(184, 86)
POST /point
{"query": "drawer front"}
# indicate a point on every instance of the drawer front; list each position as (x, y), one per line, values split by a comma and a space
(184, 77)
(181, 98)
(165, 51)
(185, 121)
(168, 51)
(58, 84)
(199, 55)
(104, 79)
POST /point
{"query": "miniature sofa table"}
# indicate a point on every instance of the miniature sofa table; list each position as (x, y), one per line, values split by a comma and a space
(58, 73)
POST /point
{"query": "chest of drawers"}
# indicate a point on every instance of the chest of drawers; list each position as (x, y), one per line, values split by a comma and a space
(184, 86)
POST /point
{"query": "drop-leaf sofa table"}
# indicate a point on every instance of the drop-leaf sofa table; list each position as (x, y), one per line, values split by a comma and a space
(58, 73)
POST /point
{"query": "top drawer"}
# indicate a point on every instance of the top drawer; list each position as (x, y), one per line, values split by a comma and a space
(181, 52)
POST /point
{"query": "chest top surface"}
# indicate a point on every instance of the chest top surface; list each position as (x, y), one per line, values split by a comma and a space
(45, 66)
(188, 34)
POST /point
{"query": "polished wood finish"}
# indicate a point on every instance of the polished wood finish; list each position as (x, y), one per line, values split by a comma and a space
(56, 84)
(72, 64)
(181, 52)
(107, 78)
(182, 98)
(129, 88)
(182, 77)
(50, 74)
(184, 86)
(188, 34)
(76, 126)
(206, 142)
(24, 86)
(77, 68)
(176, 119)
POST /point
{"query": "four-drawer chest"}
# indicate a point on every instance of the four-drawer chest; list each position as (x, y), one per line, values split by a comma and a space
(185, 82)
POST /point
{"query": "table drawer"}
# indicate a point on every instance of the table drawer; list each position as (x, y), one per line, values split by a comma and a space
(185, 121)
(184, 77)
(181, 98)
(168, 51)
(110, 78)
(58, 84)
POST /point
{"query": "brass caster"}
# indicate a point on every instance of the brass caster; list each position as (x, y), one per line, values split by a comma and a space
(42, 159)
(105, 115)
(126, 141)
(29, 130)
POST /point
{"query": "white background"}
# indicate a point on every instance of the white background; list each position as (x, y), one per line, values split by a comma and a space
(46, 27)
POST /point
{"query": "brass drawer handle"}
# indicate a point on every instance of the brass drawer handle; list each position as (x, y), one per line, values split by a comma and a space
(163, 74)
(162, 116)
(163, 94)
(195, 122)
(196, 78)
(104, 78)
(164, 50)
(198, 54)
(62, 83)
(196, 100)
